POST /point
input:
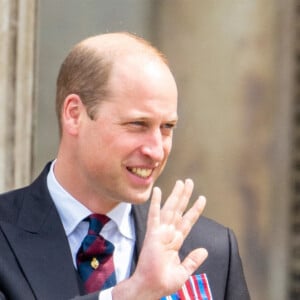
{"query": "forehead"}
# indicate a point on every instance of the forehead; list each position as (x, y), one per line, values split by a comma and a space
(142, 74)
(142, 88)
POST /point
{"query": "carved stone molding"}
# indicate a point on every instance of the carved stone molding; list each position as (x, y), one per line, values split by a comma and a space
(17, 47)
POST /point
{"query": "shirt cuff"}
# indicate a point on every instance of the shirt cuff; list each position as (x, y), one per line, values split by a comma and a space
(106, 294)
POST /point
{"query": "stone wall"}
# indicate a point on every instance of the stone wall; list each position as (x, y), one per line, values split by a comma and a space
(231, 60)
(17, 48)
(294, 243)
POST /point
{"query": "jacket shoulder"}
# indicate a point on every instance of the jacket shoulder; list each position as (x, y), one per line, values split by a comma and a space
(211, 235)
(12, 202)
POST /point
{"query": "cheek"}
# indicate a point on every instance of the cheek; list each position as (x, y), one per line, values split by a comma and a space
(167, 147)
(90, 148)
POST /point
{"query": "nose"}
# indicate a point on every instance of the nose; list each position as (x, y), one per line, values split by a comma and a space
(155, 146)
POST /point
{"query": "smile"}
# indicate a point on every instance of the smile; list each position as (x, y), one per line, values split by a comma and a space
(141, 172)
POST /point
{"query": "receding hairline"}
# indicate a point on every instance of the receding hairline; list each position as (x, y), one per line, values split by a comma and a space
(118, 44)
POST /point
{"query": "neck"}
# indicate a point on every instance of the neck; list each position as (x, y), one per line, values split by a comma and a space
(68, 178)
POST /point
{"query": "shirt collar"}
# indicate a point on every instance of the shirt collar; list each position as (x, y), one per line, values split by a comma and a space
(72, 212)
(121, 216)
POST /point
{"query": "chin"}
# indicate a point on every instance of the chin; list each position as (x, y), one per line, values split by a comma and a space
(141, 198)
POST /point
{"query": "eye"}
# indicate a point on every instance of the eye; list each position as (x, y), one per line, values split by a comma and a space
(138, 123)
(167, 129)
(169, 126)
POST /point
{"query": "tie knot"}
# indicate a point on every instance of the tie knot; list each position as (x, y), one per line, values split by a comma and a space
(97, 222)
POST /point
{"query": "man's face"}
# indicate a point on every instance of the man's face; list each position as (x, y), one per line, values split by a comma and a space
(123, 151)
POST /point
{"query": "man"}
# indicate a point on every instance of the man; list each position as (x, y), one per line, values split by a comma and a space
(117, 108)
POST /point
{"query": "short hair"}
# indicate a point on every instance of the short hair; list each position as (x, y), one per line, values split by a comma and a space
(86, 71)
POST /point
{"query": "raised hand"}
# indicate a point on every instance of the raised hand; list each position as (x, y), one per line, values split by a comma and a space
(159, 271)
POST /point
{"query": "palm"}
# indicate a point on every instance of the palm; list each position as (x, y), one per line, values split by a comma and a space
(167, 228)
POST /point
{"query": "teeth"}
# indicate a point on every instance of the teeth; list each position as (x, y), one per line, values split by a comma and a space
(144, 173)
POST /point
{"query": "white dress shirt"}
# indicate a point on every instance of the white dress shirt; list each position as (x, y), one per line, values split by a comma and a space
(119, 231)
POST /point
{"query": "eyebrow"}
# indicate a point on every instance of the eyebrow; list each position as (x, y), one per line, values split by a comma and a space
(145, 118)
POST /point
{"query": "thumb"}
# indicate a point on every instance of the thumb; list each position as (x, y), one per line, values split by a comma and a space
(194, 260)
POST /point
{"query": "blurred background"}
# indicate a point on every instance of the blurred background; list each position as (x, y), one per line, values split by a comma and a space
(237, 65)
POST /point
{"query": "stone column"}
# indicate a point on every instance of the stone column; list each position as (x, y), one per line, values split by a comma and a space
(17, 41)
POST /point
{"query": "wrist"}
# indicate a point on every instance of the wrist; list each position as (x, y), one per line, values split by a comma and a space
(134, 288)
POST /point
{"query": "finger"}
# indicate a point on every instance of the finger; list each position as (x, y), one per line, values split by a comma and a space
(179, 198)
(186, 195)
(175, 241)
(195, 258)
(168, 212)
(172, 201)
(154, 209)
(192, 215)
(184, 200)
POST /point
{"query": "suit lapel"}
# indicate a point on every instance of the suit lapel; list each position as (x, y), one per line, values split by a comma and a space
(40, 245)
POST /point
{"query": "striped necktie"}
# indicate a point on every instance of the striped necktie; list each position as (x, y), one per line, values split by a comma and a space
(95, 257)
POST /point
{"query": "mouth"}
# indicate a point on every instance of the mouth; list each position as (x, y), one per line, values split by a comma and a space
(140, 172)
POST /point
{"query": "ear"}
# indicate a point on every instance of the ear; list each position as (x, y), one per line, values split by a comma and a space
(72, 113)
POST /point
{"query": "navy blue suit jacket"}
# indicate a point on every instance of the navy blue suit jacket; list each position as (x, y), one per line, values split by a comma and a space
(36, 263)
